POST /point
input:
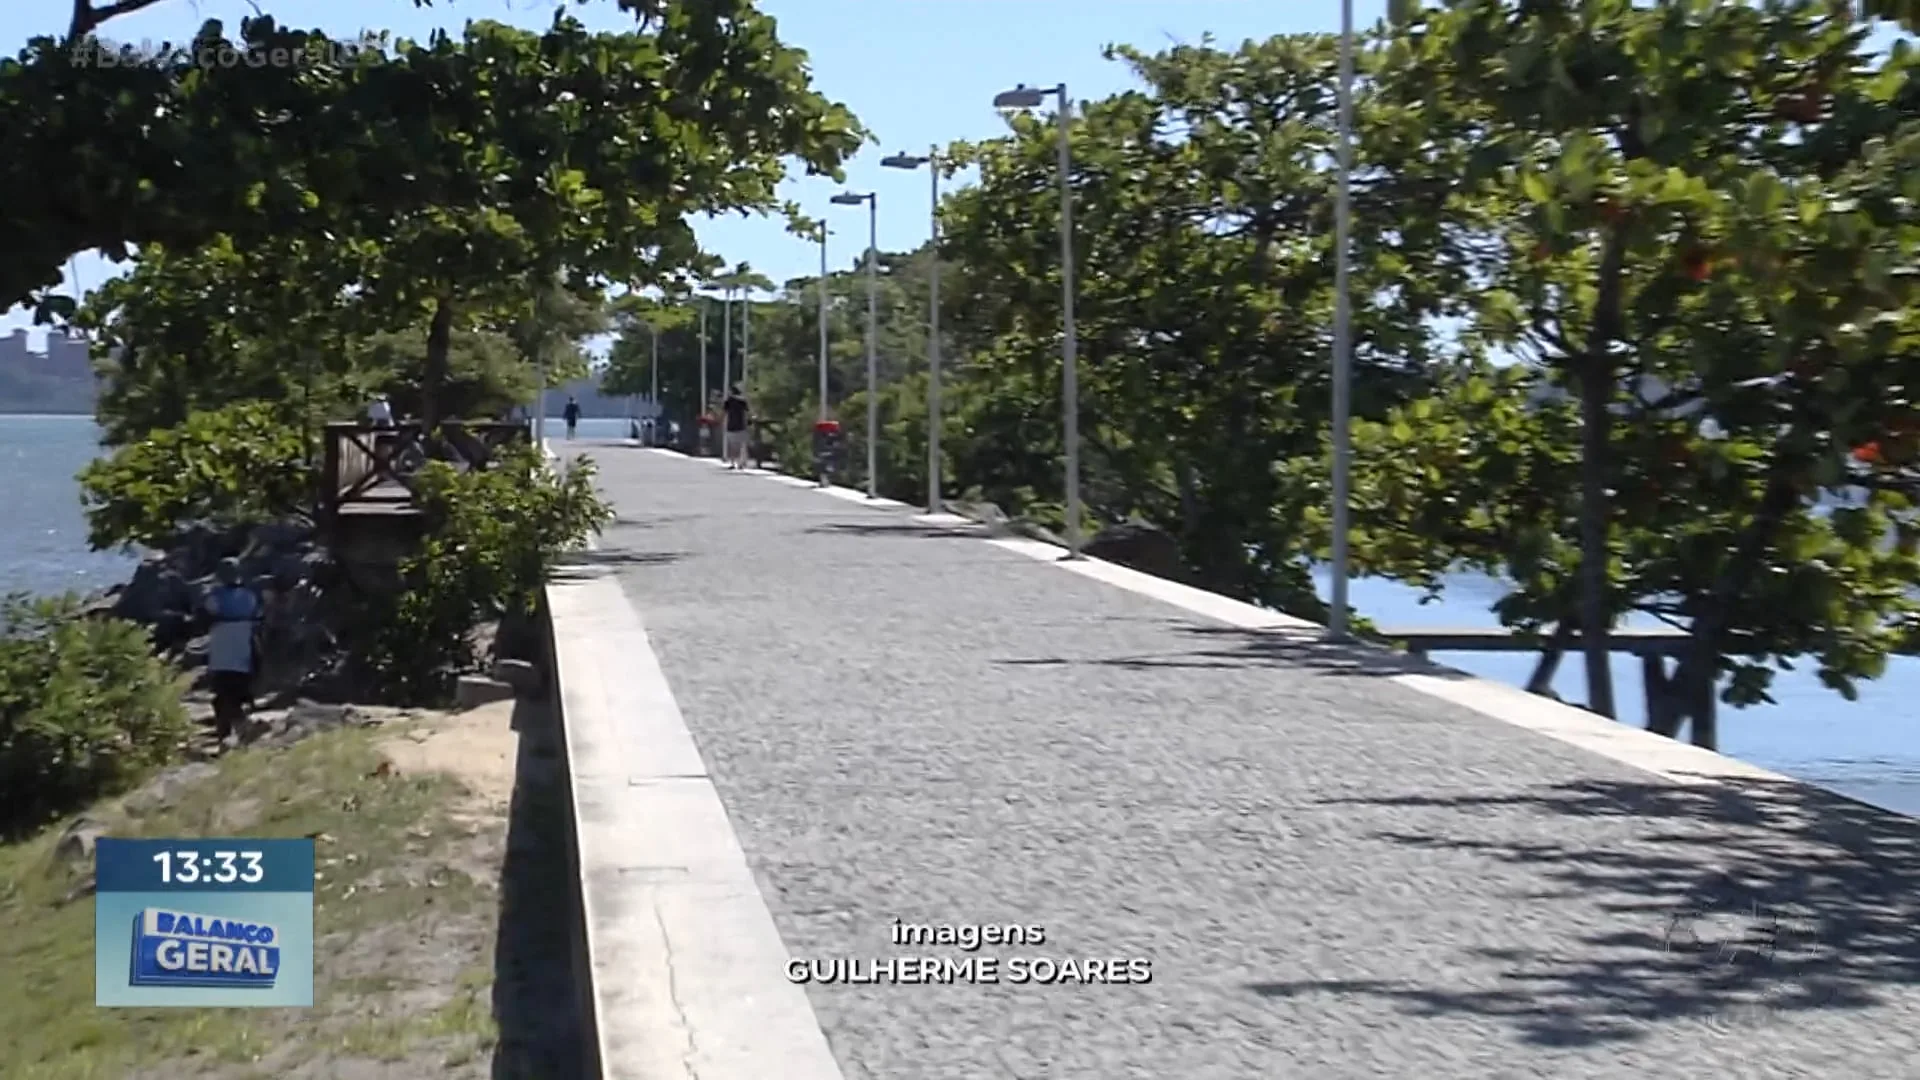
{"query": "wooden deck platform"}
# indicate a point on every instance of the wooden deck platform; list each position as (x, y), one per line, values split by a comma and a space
(364, 472)
(386, 497)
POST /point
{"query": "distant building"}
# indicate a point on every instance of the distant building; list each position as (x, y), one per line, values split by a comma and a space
(69, 357)
(59, 379)
(65, 357)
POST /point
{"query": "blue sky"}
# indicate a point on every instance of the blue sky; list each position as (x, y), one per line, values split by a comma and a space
(916, 72)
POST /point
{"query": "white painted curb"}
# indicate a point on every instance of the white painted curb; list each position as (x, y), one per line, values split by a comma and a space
(687, 970)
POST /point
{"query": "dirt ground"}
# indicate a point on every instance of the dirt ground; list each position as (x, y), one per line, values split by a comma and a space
(442, 918)
(478, 747)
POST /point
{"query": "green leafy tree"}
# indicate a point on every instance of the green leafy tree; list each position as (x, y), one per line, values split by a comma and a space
(525, 188)
(1690, 217)
(487, 372)
(455, 150)
(197, 330)
(1204, 298)
(785, 369)
(550, 329)
(640, 320)
(238, 465)
(494, 537)
(86, 710)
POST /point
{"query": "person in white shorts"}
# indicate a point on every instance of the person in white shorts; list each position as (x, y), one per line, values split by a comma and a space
(736, 413)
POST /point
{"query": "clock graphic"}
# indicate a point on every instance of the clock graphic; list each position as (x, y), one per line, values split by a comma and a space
(203, 922)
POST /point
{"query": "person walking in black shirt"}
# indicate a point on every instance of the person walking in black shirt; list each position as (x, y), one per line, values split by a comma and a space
(572, 416)
(736, 437)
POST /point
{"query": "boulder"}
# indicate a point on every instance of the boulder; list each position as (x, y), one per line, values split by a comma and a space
(317, 717)
(171, 632)
(276, 728)
(157, 588)
(280, 536)
(472, 691)
(165, 787)
(199, 548)
(519, 637)
(1033, 530)
(1141, 546)
(101, 604)
(522, 675)
(77, 840)
(282, 560)
(985, 513)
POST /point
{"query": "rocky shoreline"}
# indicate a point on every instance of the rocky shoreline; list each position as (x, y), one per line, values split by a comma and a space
(300, 643)
(304, 662)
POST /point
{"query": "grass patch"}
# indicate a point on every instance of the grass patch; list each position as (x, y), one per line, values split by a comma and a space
(405, 913)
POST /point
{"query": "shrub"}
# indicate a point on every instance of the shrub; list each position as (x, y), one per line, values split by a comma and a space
(239, 465)
(86, 710)
(493, 536)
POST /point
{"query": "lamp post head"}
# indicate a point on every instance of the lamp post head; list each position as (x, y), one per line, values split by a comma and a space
(848, 198)
(1020, 97)
(904, 161)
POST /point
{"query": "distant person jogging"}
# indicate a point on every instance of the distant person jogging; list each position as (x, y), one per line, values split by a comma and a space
(572, 415)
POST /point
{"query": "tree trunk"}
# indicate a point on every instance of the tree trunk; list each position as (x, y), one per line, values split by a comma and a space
(1541, 681)
(1594, 623)
(1701, 694)
(1596, 374)
(433, 378)
(1189, 501)
(1664, 711)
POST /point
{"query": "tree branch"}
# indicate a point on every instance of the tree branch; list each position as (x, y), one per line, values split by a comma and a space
(87, 18)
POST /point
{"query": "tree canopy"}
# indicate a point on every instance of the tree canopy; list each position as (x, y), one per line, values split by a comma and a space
(1631, 324)
(1633, 321)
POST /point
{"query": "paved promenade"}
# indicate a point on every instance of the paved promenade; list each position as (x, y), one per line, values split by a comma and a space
(1333, 871)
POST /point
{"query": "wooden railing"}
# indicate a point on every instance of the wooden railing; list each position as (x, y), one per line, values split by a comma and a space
(1668, 702)
(369, 469)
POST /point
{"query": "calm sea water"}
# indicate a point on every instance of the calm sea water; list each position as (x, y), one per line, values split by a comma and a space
(43, 537)
(1869, 749)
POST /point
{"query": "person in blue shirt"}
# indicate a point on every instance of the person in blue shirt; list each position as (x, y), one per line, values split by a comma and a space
(235, 610)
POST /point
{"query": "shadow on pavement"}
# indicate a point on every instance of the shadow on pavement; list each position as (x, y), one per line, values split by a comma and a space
(1791, 900)
(1233, 648)
(618, 557)
(537, 987)
(901, 529)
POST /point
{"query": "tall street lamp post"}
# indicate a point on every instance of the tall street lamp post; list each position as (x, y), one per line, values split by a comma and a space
(1027, 97)
(540, 403)
(932, 161)
(653, 422)
(1342, 336)
(823, 322)
(847, 198)
(700, 408)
